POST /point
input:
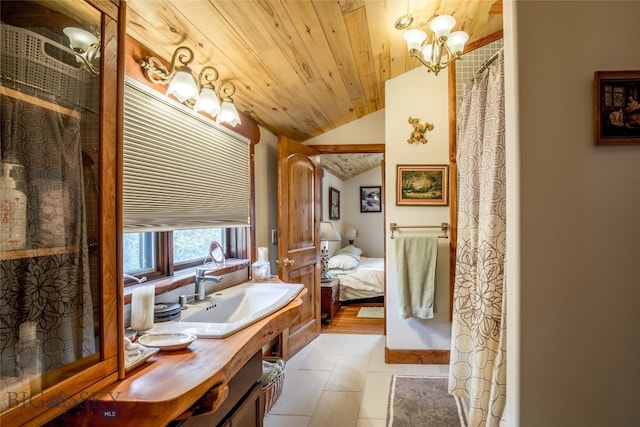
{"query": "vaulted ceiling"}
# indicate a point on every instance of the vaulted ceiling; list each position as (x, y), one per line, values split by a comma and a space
(301, 68)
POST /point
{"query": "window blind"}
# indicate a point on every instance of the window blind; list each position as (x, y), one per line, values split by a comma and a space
(180, 171)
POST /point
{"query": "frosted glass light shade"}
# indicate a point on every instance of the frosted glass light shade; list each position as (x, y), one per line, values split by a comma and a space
(79, 39)
(456, 41)
(351, 233)
(441, 25)
(183, 86)
(427, 52)
(208, 102)
(228, 114)
(414, 38)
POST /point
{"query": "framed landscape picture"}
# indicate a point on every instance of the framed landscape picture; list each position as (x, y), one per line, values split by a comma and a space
(419, 185)
(370, 199)
(334, 203)
(616, 107)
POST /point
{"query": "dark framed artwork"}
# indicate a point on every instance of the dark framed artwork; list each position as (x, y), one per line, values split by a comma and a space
(419, 185)
(370, 199)
(334, 203)
(616, 107)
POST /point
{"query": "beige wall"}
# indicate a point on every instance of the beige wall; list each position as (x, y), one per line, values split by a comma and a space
(417, 94)
(266, 200)
(573, 219)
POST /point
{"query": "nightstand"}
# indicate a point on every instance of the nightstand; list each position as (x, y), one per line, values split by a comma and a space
(330, 299)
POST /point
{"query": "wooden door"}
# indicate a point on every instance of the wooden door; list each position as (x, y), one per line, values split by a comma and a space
(299, 215)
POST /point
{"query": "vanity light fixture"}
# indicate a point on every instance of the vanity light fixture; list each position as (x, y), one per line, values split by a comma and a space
(208, 100)
(202, 96)
(228, 111)
(437, 49)
(85, 46)
(181, 83)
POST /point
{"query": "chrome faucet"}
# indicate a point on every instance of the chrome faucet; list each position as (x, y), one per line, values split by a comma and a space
(200, 277)
(139, 280)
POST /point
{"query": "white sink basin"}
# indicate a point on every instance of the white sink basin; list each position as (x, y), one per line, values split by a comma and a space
(227, 311)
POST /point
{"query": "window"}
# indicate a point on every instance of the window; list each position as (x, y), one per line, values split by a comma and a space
(138, 252)
(157, 254)
(204, 195)
(193, 245)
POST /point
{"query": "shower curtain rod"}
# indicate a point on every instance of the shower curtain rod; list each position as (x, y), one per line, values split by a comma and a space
(443, 227)
(489, 61)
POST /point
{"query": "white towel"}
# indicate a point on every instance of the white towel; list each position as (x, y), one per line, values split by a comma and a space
(416, 258)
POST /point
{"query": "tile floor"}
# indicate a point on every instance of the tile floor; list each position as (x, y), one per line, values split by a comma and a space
(340, 380)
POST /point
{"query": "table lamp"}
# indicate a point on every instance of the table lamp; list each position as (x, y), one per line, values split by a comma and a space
(327, 234)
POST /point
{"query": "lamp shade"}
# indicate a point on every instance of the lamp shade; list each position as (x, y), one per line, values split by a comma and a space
(351, 233)
(79, 39)
(441, 25)
(414, 38)
(208, 102)
(456, 41)
(228, 114)
(183, 85)
(328, 233)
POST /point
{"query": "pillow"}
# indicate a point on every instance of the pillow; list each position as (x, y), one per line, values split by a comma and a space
(343, 262)
(350, 250)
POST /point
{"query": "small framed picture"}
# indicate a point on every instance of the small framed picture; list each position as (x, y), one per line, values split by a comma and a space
(422, 185)
(370, 199)
(616, 107)
(334, 203)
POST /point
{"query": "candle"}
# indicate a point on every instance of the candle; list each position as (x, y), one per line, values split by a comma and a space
(142, 300)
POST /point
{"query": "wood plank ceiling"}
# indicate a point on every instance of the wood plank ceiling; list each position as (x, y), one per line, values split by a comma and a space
(301, 68)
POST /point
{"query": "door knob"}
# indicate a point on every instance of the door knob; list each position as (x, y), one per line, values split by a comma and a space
(286, 262)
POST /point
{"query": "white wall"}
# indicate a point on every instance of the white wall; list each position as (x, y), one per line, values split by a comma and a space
(573, 219)
(417, 94)
(366, 130)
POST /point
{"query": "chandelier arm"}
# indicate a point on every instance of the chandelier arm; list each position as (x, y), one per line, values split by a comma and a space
(417, 54)
(451, 57)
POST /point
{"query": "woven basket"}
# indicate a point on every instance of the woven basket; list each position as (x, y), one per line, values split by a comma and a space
(273, 390)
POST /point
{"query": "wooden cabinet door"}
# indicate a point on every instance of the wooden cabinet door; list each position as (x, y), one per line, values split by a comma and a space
(299, 214)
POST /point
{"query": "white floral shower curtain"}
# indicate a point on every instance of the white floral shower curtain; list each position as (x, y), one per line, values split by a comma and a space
(478, 342)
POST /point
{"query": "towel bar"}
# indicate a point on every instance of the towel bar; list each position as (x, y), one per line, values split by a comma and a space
(443, 227)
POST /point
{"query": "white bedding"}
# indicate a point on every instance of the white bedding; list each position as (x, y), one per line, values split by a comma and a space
(366, 281)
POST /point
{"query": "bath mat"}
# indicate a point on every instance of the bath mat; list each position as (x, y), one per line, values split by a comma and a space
(416, 401)
(371, 312)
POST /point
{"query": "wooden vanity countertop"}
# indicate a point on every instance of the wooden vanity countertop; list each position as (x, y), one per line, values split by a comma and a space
(170, 382)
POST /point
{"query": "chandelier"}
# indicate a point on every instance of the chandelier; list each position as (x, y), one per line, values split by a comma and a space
(437, 49)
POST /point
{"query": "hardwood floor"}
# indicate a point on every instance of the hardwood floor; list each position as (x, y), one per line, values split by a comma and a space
(346, 321)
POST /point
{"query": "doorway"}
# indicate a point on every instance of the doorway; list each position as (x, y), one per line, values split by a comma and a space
(354, 167)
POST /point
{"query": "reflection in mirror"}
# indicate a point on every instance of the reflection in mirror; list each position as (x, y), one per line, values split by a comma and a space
(49, 258)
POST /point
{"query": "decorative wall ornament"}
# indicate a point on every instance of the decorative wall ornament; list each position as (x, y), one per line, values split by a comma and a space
(417, 135)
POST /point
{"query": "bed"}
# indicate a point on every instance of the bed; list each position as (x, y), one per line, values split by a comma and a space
(360, 277)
